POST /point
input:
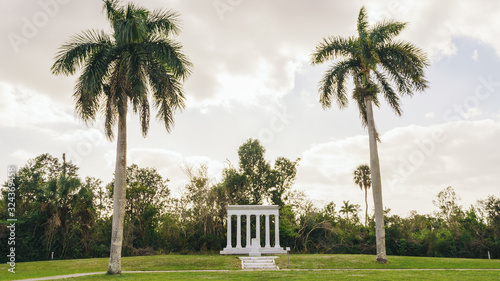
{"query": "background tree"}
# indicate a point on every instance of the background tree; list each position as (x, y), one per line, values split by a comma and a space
(119, 68)
(447, 202)
(282, 178)
(491, 207)
(363, 179)
(204, 215)
(373, 59)
(147, 196)
(348, 208)
(255, 169)
(255, 180)
(54, 209)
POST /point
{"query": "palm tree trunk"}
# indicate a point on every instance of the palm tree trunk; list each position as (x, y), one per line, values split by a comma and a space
(376, 184)
(366, 206)
(115, 254)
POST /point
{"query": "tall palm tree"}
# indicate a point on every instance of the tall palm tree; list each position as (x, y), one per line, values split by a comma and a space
(118, 69)
(378, 64)
(363, 179)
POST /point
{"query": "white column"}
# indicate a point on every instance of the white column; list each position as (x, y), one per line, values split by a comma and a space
(268, 240)
(238, 231)
(228, 231)
(257, 228)
(248, 232)
(276, 231)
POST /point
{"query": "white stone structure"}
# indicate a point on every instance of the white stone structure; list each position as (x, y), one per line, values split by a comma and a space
(257, 211)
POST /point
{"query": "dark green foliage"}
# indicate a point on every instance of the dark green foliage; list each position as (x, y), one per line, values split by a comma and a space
(54, 209)
(137, 57)
(59, 213)
(147, 197)
(377, 63)
(256, 181)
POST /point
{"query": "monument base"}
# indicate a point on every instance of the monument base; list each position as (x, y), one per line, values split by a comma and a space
(246, 251)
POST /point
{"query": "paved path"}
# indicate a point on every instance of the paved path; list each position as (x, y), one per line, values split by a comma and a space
(222, 270)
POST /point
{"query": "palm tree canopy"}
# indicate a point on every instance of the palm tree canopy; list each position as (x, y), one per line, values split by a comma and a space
(348, 208)
(376, 62)
(136, 57)
(362, 176)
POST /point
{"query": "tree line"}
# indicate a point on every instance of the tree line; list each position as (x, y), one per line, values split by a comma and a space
(60, 213)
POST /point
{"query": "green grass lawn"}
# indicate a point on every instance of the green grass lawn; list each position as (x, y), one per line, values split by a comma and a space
(232, 264)
(163, 262)
(307, 275)
(368, 262)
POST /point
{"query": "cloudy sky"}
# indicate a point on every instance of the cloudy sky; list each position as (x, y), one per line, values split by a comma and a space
(252, 79)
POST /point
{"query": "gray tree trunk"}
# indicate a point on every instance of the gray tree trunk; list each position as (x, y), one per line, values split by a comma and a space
(376, 184)
(115, 255)
(366, 206)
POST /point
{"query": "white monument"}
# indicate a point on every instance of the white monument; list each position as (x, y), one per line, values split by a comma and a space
(257, 211)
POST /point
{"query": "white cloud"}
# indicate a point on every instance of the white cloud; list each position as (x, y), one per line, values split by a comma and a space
(22, 156)
(91, 135)
(472, 112)
(252, 61)
(171, 164)
(475, 55)
(430, 115)
(434, 24)
(416, 162)
(22, 108)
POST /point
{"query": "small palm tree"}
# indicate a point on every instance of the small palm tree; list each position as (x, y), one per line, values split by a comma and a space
(363, 179)
(377, 64)
(118, 69)
(347, 209)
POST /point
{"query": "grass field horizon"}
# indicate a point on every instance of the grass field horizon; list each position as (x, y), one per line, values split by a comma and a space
(342, 264)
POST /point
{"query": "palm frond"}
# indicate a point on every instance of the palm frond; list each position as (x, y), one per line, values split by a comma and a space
(73, 54)
(333, 83)
(362, 111)
(164, 22)
(110, 112)
(168, 95)
(406, 63)
(384, 31)
(139, 96)
(89, 86)
(135, 13)
(390, 96)
(169, 53)
(362, 25)
(333, 47)
(112, 10)
(120, 86)
(144, 116)
(86, 104)
(136, 76)
(129, 31)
